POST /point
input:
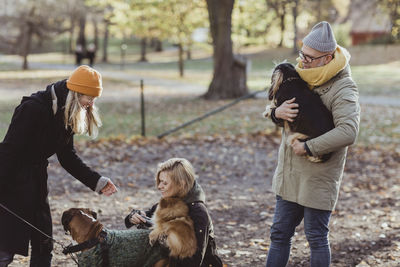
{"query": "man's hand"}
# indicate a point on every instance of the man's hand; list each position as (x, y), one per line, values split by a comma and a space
(287, 110)
(298, 148)
(109, 189)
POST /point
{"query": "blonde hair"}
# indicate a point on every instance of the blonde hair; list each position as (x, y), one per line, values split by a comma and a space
(82, 121)
(181, 172)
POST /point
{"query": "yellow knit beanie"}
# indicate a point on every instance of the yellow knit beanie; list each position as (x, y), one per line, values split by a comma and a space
(85, 80)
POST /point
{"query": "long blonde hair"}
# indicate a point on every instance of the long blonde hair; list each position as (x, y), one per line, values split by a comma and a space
(181, 172)
(82, 121)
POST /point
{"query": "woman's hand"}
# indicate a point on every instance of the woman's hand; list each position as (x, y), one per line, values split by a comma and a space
(109, 189)
(287, 110)
(136, 218)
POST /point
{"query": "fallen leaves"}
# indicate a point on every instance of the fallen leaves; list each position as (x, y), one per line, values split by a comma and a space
(236, 173)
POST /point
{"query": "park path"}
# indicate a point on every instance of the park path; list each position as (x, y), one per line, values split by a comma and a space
(154, 84)
(164, 86)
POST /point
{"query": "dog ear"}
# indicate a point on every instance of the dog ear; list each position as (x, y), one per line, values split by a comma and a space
(276, 80)
(66, 219)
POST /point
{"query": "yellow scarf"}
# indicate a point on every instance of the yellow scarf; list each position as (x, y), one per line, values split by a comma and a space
(320, 75)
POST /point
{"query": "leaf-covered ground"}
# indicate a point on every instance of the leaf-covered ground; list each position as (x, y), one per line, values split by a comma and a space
(236, 173)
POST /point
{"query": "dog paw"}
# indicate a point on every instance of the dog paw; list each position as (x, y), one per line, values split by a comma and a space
(268, 111)
(153, 237)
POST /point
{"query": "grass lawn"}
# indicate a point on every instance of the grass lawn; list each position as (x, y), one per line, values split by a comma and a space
(121, 117)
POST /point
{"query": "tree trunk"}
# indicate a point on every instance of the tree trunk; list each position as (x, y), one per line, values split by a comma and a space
(319, 10)
(295, 48)
(81, 37)
(158, 45)
(96, 33)
(282, 24)
(180, 62)
(143, 44)
(27, 46)
(105, 41)
(26, 34)
(71, 35)
(229, 78)
(189, 52)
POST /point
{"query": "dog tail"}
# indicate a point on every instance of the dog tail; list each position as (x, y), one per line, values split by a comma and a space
(320, 159)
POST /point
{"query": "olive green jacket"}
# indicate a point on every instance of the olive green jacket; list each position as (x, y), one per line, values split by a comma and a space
(316, 185)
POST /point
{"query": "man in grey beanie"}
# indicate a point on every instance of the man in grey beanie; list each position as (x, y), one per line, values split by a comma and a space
(307, 190)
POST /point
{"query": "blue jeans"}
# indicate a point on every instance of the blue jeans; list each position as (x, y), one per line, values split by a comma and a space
(287, 217)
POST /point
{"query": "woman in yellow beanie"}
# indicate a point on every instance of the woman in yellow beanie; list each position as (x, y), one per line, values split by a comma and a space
(43, 125)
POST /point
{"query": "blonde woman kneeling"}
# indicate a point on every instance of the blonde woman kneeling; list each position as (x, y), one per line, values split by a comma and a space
(180, 211)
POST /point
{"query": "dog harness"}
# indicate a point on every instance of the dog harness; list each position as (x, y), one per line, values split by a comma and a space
(125, 248)
(87, 244)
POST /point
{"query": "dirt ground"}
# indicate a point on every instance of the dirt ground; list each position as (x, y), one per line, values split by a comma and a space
(236, 173)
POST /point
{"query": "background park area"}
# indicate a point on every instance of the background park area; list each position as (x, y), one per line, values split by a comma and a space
(233, 151)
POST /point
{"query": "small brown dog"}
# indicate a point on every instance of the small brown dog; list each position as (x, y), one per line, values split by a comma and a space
(174, 228)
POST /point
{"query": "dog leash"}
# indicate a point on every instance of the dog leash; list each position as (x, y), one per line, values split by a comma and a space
(37, 229)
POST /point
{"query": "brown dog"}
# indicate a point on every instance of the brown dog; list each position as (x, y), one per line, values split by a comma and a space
(174, 228)
(84, 228)
(81, 223)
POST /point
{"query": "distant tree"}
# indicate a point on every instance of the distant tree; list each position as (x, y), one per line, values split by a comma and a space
(173, 20)
(229, 78)
(179, 19)
(140, 18)
(39, 19)
(393, 9)
(280, 7)
(251, 23)
(285, 8)
(156, 44)
(323, 9)
(103, 11)
(81, 34)
(73, 10)
(295, 12)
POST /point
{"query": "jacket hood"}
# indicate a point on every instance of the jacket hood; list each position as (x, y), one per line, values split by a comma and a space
(196, 194)
(61, 90)
(44, 97)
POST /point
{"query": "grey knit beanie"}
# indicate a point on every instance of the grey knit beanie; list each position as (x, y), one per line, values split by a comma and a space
(321, 38)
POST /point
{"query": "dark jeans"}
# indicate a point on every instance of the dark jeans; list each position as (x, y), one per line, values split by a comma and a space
(287, 217)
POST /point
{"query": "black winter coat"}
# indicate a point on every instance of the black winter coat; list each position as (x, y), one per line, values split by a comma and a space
(206, 254)
(34, 135)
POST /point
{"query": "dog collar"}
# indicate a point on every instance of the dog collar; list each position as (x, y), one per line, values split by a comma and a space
(87, 244)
